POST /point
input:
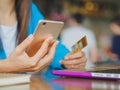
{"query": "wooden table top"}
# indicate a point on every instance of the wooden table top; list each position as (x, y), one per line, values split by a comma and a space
(42, 82)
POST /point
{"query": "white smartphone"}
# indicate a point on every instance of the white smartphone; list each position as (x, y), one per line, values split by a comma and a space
(43, 30)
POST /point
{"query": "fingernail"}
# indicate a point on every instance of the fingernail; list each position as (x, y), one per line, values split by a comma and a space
(50, 39)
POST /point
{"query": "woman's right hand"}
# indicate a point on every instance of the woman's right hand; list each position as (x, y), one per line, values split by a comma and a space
(19, 61)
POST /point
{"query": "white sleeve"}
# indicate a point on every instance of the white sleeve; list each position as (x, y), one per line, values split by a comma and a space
(91, 40)
(65, 39)
(62, 36)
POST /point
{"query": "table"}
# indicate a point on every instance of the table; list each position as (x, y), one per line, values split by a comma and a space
(40, 81)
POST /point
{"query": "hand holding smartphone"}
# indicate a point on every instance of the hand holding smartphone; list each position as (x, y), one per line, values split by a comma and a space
(44, 29)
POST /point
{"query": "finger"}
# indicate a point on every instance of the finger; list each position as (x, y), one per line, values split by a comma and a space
(68, 55)
(74, 61)
(78, 66)
(75, 55)
(44, 48)
(49, 57)
(66, 66)
(22, 47)
(37, 69)
(53, 49)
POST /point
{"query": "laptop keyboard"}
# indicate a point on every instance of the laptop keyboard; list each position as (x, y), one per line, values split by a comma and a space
(115, 71)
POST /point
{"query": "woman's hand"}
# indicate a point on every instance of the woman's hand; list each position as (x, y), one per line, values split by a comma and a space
(19, 61)
(74, 60)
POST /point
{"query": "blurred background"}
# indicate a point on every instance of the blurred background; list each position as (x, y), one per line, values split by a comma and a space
(97, 17)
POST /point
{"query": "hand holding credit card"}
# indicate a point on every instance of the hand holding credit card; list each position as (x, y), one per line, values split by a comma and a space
(82, 43)
(76, 58)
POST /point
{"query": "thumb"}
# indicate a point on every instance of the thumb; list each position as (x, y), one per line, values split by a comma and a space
(22, 47)
(67, 56)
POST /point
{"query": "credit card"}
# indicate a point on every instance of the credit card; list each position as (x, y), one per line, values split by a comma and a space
(82, 43)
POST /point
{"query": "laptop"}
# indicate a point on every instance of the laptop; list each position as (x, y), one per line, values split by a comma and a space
(111, 72)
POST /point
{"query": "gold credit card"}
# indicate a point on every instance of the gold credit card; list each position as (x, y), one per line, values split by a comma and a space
(80, 44)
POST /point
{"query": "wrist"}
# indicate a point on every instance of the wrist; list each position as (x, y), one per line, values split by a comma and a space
(6, 66)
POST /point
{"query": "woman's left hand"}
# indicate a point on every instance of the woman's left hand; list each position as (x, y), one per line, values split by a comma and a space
(74, 60)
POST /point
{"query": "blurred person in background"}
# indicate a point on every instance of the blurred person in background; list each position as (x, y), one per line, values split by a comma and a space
(76, 31)
(18, 20)
(114, 53)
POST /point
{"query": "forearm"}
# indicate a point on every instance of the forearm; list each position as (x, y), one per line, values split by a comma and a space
(5, 66)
